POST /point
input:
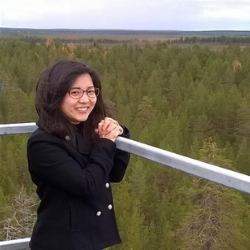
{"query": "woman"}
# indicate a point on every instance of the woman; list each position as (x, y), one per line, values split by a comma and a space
(72, 159)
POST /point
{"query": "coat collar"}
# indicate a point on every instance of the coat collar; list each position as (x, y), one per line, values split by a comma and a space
(39, 124)
(83, 145)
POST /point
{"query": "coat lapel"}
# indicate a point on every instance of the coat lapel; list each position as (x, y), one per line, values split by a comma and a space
(84, 146)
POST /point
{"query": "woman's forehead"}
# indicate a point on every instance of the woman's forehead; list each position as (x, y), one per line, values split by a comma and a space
(83, 81)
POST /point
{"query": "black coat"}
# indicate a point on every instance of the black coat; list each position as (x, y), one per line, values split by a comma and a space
(76, 209)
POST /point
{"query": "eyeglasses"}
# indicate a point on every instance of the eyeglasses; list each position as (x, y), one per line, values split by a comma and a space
(78, 93)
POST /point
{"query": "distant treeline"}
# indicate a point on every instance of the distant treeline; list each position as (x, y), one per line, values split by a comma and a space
(106, 36)
(220, 40)
(182, 40)
(119, 32)
(71, 40)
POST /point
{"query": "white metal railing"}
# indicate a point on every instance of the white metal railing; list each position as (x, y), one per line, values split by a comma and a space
(15, 244)
(17, 128)
(197, 168)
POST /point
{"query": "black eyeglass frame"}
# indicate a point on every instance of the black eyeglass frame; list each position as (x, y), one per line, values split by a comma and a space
(97, 92)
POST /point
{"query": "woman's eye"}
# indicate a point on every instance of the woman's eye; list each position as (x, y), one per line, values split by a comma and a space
(75, 92)
(91, 91)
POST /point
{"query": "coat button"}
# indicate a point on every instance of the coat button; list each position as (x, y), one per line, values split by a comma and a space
(98, 213)
(107, 185)
(67, 138)
(110, 206)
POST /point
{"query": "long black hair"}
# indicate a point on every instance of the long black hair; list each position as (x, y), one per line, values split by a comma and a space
(52, 86)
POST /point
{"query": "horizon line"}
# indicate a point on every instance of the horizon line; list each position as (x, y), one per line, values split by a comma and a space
(112, 29)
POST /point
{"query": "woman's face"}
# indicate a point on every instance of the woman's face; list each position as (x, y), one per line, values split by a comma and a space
(78, 110)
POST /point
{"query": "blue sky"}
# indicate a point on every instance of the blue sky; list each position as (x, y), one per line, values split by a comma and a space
(129, 14)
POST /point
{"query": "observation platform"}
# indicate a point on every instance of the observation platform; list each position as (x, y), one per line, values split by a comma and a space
(226, 177)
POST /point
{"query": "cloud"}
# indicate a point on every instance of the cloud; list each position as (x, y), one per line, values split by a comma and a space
(231, 9)
(129, 14)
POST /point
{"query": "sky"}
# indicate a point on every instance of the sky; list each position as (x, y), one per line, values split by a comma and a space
(126, 14)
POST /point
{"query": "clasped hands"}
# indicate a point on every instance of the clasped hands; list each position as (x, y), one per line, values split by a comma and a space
(109, 128)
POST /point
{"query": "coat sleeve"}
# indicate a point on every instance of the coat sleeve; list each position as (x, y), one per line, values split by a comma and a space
(121, 160)
(51, 163)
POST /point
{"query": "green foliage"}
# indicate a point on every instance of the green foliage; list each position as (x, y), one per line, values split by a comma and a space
(192, 100)
(215, 218)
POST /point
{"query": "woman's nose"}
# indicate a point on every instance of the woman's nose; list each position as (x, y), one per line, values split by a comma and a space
(84, 97)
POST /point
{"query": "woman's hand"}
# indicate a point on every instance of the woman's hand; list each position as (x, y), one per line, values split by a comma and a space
(109, 129)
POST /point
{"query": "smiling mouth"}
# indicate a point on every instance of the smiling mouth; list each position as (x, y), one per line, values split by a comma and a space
(81, 109)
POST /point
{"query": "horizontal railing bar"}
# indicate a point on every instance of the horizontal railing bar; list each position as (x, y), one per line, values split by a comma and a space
(197, 168)
(17, 128)
(201, 169)
(15, 244)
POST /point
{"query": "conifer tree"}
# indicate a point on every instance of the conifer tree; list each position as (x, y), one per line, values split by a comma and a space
(210, 225)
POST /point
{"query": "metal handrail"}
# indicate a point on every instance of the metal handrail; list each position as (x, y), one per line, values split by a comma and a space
(197, 168)
(15, 244)
(17, 128)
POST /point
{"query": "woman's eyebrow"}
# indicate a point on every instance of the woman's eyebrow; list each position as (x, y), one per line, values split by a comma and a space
(75, 88)
(90, 87)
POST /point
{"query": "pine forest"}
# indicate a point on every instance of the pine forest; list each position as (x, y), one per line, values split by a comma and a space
(191, 100)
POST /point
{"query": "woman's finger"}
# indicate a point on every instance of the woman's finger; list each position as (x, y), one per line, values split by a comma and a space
(112, 135)
(121, 130)
(100, 127)
(115, 134)
(108, 124)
